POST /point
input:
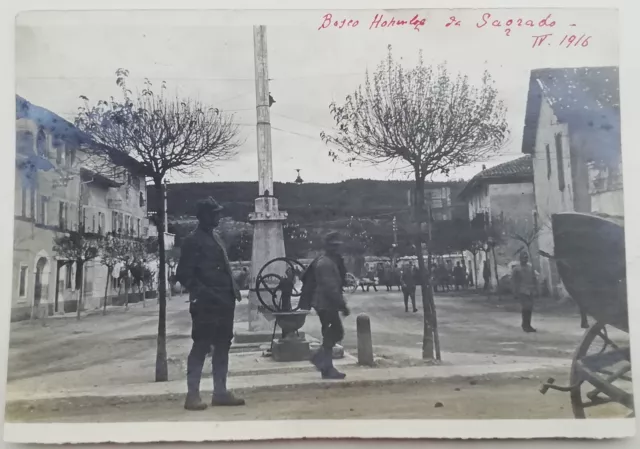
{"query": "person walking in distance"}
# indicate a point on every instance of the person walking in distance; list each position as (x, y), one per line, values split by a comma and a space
(458, 276)
(486, 275)
(525, 287)
(408, 279)
(205, 271)
(328, 300)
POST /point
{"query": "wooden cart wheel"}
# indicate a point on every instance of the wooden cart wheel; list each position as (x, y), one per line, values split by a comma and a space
(262, 285)
(352, 283)
(574, 378)
(596, 340)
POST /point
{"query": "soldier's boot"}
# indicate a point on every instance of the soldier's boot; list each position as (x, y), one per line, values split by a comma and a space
(526, 321)
(220, 365)
(333, 374)
(329, 371)
(193, 402)
(226, 399)
(318, 359)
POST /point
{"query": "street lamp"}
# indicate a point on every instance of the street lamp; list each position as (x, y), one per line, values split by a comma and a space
(298, 180)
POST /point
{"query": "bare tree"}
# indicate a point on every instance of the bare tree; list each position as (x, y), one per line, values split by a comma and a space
(527, 236)
(79, 247)
(428, 122)
(173, 257)
(164, 134)
(132, 253)
(110, 255)
(133, 257)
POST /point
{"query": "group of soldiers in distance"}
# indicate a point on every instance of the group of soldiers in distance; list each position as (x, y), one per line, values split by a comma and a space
(444, 277)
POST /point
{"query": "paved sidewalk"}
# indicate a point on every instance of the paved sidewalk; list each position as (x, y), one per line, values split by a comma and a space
(300, 374)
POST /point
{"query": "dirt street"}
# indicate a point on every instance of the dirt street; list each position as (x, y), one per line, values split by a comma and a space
(119, 349)
(496, 398)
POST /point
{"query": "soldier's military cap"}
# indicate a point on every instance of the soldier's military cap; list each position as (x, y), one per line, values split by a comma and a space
(333, 238)
(207, 205)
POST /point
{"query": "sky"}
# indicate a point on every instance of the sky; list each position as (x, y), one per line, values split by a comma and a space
(209, 56)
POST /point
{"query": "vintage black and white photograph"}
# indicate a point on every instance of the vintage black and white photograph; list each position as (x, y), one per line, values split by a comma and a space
(243, 216)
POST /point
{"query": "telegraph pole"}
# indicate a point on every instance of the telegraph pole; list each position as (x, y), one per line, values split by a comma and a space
(267, 219)
(165, 230)
(263, 125)
(395, 241)
(436, 336)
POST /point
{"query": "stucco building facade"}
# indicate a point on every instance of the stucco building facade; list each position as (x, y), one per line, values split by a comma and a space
(61, 184)
(503, 196)
(572, 133)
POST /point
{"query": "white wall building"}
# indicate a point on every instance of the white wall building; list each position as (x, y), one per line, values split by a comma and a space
(66, 189)
(572, 126)
(503, 195)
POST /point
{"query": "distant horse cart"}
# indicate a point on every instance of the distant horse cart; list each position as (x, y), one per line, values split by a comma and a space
(351, 283)
(590, 256)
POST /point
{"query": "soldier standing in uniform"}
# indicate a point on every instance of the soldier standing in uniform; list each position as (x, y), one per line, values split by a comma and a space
(525, 286)
(328, 300)
(458, 276)
(409, 277)
(205, 271)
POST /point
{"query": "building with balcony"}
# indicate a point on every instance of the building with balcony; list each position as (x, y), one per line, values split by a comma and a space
(64, 182)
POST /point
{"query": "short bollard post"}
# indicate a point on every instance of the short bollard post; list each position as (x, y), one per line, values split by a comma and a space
(365, 346)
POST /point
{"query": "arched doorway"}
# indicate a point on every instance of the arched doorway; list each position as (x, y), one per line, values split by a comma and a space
(40, 289)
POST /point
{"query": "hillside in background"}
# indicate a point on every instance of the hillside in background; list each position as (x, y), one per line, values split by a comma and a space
(305, 204)
(362, 210)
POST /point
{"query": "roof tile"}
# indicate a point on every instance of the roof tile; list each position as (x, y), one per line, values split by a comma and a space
(517, 170)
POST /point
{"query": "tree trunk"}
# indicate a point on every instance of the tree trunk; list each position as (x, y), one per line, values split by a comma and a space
(162, 370)
(106, 290)
(79, 286)
(495, 269)
(425, 285)
(57, 293)
(169, 292)
(475, 270)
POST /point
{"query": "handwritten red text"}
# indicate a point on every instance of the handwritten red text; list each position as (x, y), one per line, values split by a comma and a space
(453, 22)
(569, 40)
(379, 21)
(543, 26)
(573, 40)
(327, 21)
(509, 24)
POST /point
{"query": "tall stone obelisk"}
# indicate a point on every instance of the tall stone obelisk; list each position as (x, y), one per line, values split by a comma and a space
(268, 235)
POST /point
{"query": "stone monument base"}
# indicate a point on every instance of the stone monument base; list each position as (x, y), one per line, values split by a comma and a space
(290, 350)
(243, 337)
